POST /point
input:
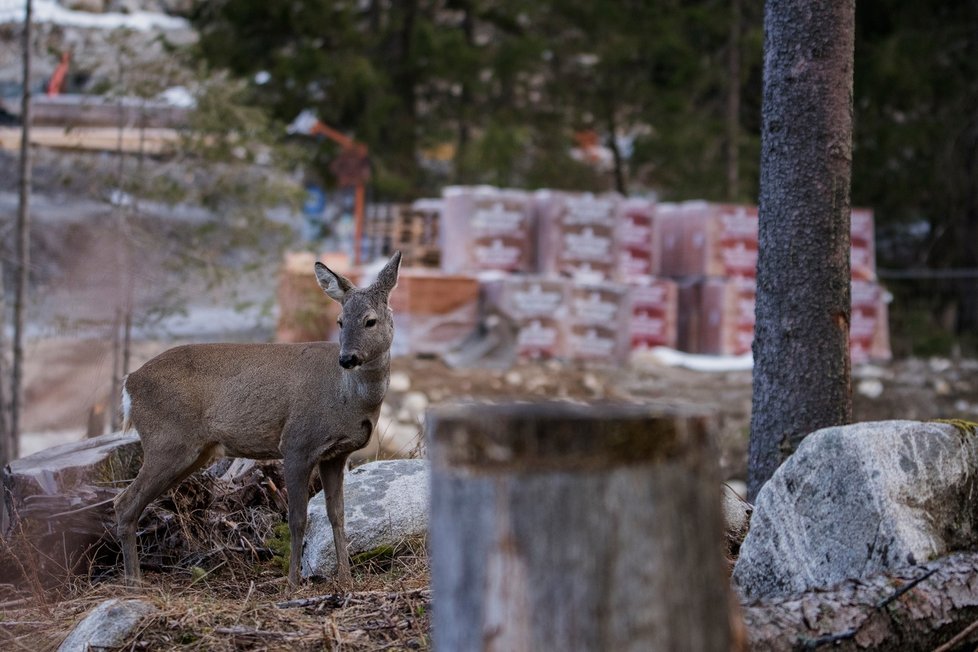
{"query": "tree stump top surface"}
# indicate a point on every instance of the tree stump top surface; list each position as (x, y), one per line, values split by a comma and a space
(564, 436)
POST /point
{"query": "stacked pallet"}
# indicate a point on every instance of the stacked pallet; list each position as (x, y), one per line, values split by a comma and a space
(588, 277)
(416, 233)
(711, 249)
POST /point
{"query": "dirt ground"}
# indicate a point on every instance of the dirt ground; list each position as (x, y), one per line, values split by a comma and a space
(65, 377)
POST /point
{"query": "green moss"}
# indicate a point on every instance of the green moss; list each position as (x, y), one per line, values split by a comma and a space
(967, 428)
(380, 552)
(280, 544)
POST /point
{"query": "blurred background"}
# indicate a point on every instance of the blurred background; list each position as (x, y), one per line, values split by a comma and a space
(573, 186)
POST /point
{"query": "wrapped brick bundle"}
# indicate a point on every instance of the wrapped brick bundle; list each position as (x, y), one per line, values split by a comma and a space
(576, 236)
(653, 314)
(717, 315)
(596, 313)
(538, 307)
(669, 238)
(483, 229)
(432, 311)
(719, 240)
(863, 255)
(869, 337)
(636, 241)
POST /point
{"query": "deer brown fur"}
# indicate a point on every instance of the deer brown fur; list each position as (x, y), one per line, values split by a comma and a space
(309, 404)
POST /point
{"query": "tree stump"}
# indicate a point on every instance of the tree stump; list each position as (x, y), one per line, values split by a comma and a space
(569, 527)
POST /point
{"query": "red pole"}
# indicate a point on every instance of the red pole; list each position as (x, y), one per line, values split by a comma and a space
(358, 196)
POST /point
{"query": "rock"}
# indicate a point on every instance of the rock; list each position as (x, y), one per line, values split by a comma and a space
(859, 500)
(400, 382)
(736, 517)
(870, 387)
(415, 403)
(386, 503)
(514, 378)
(107, 625)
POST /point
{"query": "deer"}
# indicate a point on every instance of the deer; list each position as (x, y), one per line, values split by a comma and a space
(308, 404)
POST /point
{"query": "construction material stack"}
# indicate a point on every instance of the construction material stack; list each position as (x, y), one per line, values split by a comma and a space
(596, 277)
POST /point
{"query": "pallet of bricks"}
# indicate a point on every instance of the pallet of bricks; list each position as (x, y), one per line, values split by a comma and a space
(711, 251)
(573, 271)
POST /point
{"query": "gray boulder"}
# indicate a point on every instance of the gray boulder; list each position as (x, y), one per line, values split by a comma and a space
(386, 502)
(107, 625)
(859, 500)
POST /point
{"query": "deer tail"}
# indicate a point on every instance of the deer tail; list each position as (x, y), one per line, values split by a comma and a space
(126, 407)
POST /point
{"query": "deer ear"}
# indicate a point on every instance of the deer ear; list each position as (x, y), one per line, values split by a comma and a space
(387, 278)
(334, 285)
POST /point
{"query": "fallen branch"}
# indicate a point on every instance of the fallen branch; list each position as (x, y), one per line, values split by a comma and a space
(913, 609)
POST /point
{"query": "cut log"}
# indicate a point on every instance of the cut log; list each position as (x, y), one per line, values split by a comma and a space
(61, 499)
(563, 527)
(918, 608)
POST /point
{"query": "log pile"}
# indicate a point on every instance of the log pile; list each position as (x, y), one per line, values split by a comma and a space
(63, 521)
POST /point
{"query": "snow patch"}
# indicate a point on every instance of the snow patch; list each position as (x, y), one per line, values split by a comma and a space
(697, 362)
(48, 11)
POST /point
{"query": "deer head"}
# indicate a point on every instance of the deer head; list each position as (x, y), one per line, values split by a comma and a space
(366, 321)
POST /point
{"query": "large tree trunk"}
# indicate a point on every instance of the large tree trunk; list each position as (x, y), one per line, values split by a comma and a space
(23, 242)
(919, 608)
(559, 527)
(801, 354)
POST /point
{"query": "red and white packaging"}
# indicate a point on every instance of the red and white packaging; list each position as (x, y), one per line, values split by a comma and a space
(863, 256)
(653, 314)
(576, 235)
(669, 239)
(869, 331)
(596, 313)
(719, 240)
(717, 315)
(484, 228)
(538, 307)
(635, 235)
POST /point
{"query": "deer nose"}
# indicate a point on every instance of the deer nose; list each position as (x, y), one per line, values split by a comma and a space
(349, 361)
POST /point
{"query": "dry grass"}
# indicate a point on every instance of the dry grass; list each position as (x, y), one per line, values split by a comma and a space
(242, 607)
(211, 569)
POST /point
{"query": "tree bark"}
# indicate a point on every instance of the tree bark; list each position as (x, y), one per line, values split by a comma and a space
(801, 354)
(6, 445)
(918, 608)
(560, 527)
(23, 240)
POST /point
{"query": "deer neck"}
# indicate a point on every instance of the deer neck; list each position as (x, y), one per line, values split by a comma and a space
(367, 384)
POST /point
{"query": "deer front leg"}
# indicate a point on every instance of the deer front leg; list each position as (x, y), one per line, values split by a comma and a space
(297, 472)
(331, 473)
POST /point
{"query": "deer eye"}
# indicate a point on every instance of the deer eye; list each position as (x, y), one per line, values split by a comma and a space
(371, 323)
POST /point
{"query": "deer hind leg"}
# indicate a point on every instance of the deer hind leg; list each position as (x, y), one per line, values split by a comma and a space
(331, 473)
(297, 473)
(162, 469)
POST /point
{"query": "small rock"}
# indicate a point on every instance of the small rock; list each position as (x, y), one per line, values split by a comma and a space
(386, 503)
(939, 365)
(514, 378)
(870, 387)
(736, 516)
(962, 405)
(108, 625)
(400, 382)
(941, 387)
(592, 384)
(739, 487)
(415, 403)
